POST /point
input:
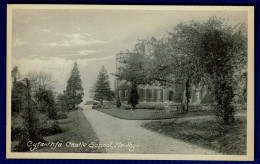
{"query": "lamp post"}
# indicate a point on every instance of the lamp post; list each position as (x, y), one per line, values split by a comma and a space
(26, 83)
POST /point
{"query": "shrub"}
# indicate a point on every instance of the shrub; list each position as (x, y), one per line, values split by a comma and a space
(96, 103)
(108, 105)
(79, 108)
(17, 127)
(126, 107)
(195, 108)
(146, 106)
(159, 108)
(118, 103)
(133, 97)
(50, 127)
(96, 106)
(62, 116)
(105, 106)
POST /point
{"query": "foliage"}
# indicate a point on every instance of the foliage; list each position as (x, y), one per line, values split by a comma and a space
(17, 127)
(15, 74)
(102, 86)
(133, 68)
(61, 116)
(30, 130)
(50, 127)
(96, 103)
(39, 80)
(118, 103)
(205, 63)
(47, 102)
(18, 99)
(74, 89)
(133, 96)
(96, 106)
(62, 102)
(220, 63)
(19, 132)
(108, 105)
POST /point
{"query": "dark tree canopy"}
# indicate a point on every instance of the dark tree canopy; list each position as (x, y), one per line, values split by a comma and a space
(74, 89)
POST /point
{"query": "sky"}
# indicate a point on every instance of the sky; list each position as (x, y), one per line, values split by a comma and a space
(51, 40)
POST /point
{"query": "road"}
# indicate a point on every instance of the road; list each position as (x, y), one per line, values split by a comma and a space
(127, 136)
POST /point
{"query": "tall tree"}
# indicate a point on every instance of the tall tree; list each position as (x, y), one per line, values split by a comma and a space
(221, 63)
(74, 89)
(212, 51)
(102, 86)
(15, 74)
(18, 92)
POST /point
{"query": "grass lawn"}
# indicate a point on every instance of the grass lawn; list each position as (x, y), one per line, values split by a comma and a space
(147, 114)
(76, 129)
(228, 139)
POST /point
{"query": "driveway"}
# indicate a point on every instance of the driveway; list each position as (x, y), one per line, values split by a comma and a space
(127, 136)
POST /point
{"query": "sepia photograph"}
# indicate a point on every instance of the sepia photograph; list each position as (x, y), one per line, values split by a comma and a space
(130, 82)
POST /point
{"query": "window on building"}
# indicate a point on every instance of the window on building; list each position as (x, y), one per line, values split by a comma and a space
(150, 93)
(158, 94)
(170, 95)
(125, 94)
(119, 93)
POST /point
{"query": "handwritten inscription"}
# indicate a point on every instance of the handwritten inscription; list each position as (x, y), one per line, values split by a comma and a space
(54, 145)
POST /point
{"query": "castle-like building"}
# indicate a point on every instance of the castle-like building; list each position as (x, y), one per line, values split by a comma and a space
(153, 93)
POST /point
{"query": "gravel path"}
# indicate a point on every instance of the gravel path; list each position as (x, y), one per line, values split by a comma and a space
(127, 136)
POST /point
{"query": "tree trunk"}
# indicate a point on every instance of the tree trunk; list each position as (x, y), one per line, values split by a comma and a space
(101, 101)
(187, 86)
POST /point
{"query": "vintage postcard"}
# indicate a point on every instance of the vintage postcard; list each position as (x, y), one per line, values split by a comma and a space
(130, 82)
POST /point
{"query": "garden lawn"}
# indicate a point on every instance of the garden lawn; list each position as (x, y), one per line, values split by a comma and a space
(226, 139)
(148, 114)
(75, 129)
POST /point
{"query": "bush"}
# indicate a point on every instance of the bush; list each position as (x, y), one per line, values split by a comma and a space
(126, 107)
(50, 127)
(62, 116)
(96, 103)
(146, 106)
(23, 132)
(195, 108)
(79, 108)
(108, 105)
(96, 106)
(160, 108)
(17, 127)
(118, 103)
(105, 106)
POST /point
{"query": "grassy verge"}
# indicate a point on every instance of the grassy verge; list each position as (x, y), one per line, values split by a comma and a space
(228, 139)
(146, 114)
(75, 129)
